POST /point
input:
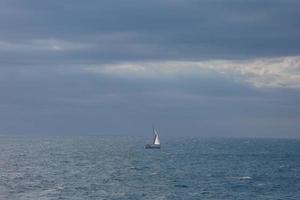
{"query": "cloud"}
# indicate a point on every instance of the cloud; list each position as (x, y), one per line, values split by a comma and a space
(42, 45)
(158, 29)
(283, 72)
(210, 65)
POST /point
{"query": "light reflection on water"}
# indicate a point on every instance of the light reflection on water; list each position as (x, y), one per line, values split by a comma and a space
(94, 167)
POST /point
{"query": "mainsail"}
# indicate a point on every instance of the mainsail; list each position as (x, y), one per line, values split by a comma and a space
(156, 138)
(156, 143)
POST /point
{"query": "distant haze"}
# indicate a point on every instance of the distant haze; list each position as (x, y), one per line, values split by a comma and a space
(196, 68)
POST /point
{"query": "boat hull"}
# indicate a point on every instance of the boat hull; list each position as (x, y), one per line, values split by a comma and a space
(152, 146)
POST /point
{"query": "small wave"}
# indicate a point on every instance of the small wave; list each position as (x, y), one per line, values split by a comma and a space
(240, 177)
(136, 168)
(60, 188)
(181, 186)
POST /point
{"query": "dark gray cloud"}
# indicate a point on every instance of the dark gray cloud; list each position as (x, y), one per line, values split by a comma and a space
(78, 103)
(45, 47)
(137, 30)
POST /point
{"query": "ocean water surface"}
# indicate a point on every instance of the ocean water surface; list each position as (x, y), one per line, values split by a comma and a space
(96, 167)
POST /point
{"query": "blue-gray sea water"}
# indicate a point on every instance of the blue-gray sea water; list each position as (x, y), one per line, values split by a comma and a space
(95, 167)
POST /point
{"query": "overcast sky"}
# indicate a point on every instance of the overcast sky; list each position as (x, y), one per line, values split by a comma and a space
(206, 68)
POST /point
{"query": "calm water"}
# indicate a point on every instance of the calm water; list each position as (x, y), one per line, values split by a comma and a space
(93, 167)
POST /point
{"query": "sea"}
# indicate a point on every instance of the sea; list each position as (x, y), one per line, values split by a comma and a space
(118, 167)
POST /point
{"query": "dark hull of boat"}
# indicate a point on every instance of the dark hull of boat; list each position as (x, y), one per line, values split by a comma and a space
(152, 146)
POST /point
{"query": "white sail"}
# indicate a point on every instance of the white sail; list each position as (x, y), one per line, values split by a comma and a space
(156, 138)
(155, 143)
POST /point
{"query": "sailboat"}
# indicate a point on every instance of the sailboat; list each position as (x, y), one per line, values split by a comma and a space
(156, 142)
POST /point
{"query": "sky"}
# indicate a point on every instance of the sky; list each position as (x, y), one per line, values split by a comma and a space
(195, 68)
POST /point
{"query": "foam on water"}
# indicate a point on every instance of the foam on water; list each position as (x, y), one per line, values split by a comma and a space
(240, 177)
